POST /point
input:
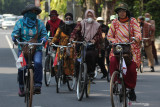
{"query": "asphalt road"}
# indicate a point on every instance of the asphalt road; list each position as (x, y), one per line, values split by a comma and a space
(147, 89)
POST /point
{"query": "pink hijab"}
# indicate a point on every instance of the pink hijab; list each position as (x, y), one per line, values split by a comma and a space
(90, 28)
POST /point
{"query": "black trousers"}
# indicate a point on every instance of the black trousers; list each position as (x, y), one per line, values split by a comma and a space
(101, 62)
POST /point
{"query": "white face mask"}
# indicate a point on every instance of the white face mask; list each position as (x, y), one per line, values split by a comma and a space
(89, 20)
(147, 19)
(68, 22)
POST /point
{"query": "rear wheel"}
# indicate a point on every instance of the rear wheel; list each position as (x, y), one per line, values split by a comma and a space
(81, 83)
(117, 91)
(88, 86)
(71, 81)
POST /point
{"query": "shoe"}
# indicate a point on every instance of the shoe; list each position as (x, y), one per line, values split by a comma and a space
(132, 95)
(21, 92)
(91, 74)
(104, 76)
(37, 90)
(152, 69)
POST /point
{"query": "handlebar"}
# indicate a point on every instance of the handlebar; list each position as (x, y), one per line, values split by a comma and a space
(82, 42)
(28, 43)
(145, 38)
(121, 43)
(61, 46)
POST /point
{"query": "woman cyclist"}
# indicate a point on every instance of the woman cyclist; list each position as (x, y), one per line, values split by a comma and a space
(63, 35)
(25, 28)
(119, 33)
(90, 31)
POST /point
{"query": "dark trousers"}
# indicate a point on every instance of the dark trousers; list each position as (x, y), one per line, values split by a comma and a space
(154, 52)
(37, 70)
(101, 62)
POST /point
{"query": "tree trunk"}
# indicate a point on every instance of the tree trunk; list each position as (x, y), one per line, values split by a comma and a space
(108, 10)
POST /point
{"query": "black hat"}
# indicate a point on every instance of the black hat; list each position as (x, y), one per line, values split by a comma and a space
(69, 14)
(54, 12)
(31, 7)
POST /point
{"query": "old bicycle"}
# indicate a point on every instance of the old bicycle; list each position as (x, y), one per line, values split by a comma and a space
(28, 75)
(118, 92)
(83, 78)
(60, 75)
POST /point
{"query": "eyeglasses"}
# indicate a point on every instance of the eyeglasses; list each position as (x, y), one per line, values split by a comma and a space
(52, 15)
(68, 18)
(122, 10)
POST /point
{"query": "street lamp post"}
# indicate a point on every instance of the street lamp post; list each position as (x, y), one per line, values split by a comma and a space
(73, 4)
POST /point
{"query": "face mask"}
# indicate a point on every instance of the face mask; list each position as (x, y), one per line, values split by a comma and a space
(89, 20)
(147, 19)
(31, 15)
(100, 23)
(54, 18)
(68, 22)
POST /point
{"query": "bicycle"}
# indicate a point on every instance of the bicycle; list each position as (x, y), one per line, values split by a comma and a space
(83, 79)
(118, 92)
(142, 55)
(60, 75)
(28, 77)
(48, 66)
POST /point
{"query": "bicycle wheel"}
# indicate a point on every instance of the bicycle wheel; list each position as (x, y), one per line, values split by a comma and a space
(59, 77)
(108, 74)
(81, 83)
(88, 85)
(71, 81)
(141, 65)
(117, 91)
(29, 88)
(47, 70)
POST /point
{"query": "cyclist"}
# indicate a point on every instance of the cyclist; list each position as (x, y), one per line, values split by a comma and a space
(62, 35)
(119, 33)
(25, 28)
(104, 43)
(52, 26)
(147, 32)
(89, 30)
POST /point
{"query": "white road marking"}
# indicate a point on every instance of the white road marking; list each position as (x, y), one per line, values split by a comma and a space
(13, 51)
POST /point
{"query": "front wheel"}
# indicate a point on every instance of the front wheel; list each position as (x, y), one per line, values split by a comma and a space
(81, 83)
(71, 81)
(117, 91)
(29, 88)
(48, 70)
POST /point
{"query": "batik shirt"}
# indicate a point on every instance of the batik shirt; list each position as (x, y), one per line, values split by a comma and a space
(27, 33)
(119, 33)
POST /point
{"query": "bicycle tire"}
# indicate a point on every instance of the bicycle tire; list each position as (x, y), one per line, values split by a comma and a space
(88, 87)
(116, 91)
(141, 65)
(47, 70)
(108, 74)
(81, 83)
(59, 77)
(29, 89)
(71, 83)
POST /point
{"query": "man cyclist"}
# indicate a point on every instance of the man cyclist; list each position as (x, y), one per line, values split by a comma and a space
(25, 28)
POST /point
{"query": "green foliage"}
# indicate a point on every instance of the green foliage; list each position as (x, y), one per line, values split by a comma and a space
(153, 7)
(59, 5)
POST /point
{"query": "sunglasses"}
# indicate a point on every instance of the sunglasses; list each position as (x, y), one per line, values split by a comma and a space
(52, 15)
(68, 18)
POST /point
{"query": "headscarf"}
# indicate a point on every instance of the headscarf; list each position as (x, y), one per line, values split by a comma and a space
(29, 19)
(89, 29)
